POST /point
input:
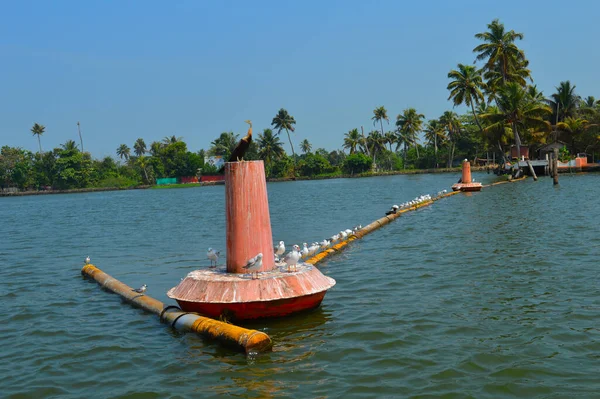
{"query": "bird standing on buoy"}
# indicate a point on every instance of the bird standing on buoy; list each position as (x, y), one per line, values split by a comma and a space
(238, 154)
(279, 250)
(254, 265)
(88, 260)
(213, 256)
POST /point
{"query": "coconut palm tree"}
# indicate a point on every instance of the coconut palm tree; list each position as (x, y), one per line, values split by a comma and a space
(139, 147)
(465, 88)
(69, 145)
(504, 61)
(409, 125)
(435, 135)
(564, 102)
(352, 140)
(79, 131)
(38, 130)
(305, 146)
(452, 127)
(574, 127)
(171, 139)
(284, 121)
(375, 143)
(518, 112)
(390, 138)
(224, 145)
(123, 151)
(380, 115)
(270, 148)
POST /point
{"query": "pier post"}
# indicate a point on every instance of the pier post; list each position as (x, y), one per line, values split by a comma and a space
(555, 166)
(248, 219)
(531, 170)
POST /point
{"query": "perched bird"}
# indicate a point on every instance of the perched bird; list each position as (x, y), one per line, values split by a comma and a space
(87, 260)
(140, 290)
(238, 154)
(313, 247)
(393, 210)
(304, 251)
(335, 237)
(343, 235)
(324, 244)
(292, 257)
(213, 256)
(254, 264)
(279, 250)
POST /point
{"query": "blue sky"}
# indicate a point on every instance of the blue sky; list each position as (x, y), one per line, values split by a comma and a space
(129, 69)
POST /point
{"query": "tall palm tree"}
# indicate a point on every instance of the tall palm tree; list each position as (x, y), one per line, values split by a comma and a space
(79, 131)
(270, 148)
(574, 127)
(38, 130)
(305, 146)
(171, 139)
(452, 126)
(390, 138)
(224, 145)
(409, 125)
(504, 61)
(123, 151)
(564, 102)
(375, 143)
(352, 140)
(155, 148)
(284, 121)
(465, 88)
(380, 115)
(434, 134)
(139, 147)
(518, 112)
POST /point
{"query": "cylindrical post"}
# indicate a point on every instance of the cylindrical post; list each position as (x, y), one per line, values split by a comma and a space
(531, 170)
(555, 166)
(466, 172)
(248, 220)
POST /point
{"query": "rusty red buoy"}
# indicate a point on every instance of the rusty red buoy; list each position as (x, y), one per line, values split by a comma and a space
(231, 291)
(466, 184)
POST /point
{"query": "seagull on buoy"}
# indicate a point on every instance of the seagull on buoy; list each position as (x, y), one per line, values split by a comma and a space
(304, 249)
(343, 235)
(393, 210)
(254, 264)
(88, 260)
(324, 244)
(213, 256)
(313, 247)
(279, 250)
(140, 290)
(292, 257)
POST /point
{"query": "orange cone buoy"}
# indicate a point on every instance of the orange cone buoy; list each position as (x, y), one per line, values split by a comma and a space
(466, 183)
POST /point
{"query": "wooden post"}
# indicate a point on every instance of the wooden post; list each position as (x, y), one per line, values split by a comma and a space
(531, 170)
(555, 166)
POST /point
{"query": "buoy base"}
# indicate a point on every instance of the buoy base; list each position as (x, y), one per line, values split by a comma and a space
(276, 293)
(467, 187)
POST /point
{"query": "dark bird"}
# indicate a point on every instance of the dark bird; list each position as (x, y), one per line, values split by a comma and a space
(238, 154)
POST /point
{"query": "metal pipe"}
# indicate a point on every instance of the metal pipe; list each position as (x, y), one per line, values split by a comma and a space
(251, 341)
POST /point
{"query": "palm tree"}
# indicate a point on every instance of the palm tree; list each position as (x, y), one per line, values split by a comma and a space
(575, 127)
(465, 88)
(281, 121)
(452, 126)
(79, 131)
(123, 151)
(171, 140)
(155, 148)
(434, 134)
(409, 125)
(390, 138)
(504, 61)
(69, 145)
(352, 139)
(270, 148)
(379, 115)
(518, 112)
(38, 130)
(224, 145)
(139, 147)
(564, 102)
(375, 143)
(305, 146)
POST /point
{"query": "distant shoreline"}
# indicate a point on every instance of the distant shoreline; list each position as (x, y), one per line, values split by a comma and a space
(270, 180)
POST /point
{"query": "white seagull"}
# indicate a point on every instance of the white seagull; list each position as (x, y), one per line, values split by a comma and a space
(254, 264)
(279, 250)
(304, 249)
(292, 257)
(213, 256)
(140, 290)
(88, 260)
(324, 244)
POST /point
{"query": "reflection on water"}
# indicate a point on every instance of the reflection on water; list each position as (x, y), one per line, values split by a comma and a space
(483, 295)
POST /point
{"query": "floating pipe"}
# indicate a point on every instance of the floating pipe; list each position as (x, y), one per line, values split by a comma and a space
(251, 341)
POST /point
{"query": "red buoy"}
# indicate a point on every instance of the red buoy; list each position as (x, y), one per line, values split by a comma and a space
(465, 182)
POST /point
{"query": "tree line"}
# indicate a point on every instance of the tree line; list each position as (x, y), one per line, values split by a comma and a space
(504, 108)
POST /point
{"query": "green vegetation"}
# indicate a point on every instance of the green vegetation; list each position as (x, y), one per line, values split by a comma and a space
(503, 108)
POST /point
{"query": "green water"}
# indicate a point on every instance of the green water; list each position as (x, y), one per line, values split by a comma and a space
(488, 295)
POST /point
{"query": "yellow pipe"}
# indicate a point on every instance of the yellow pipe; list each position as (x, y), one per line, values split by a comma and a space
(251, 341)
